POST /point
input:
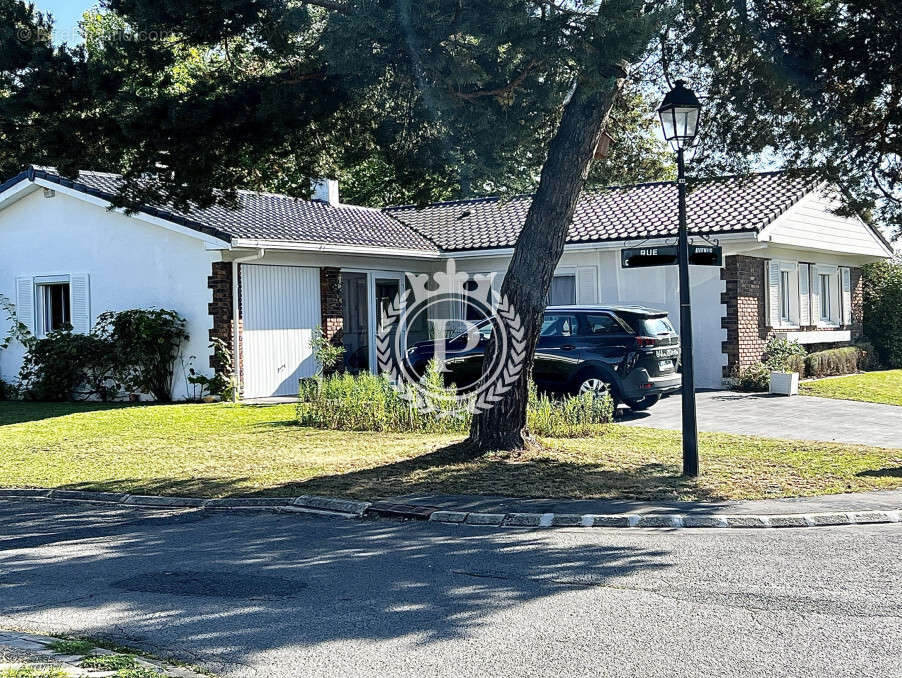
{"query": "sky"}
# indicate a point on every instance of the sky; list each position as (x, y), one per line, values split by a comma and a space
(66, 15)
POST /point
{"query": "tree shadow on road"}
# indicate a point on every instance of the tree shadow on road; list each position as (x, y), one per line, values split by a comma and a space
(72, 568)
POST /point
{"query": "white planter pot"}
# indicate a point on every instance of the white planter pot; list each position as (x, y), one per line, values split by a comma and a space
(784, 383)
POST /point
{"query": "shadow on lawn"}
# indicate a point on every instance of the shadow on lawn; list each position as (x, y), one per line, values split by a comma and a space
(20, 412)
(889, 472)
(447, 470)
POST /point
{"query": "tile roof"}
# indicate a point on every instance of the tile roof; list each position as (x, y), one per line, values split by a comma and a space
(727, 205)
(266, 216)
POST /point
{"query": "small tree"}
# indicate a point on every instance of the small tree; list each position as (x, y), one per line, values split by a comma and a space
(882, 301)
(147, 343)
(326, 353)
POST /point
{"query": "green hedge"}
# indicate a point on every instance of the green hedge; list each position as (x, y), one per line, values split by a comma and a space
(846, 360)
(882, 289)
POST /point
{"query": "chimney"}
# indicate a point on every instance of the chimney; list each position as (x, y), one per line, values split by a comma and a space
(325, 190)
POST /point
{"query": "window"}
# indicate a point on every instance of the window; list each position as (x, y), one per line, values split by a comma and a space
(558, 325)
(785, 306)
(54, 311)
(603, 324)
(563, 290)
(824, 290)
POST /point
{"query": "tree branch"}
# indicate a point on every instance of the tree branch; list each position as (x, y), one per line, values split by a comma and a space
(499, 91)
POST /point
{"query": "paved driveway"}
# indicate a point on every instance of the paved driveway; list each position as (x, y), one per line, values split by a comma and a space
(799, 417)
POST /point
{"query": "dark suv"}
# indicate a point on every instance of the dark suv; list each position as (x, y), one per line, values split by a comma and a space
(630, 351)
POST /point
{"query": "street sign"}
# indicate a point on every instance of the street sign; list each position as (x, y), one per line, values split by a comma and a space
(641, 257)
(706, 255)
(668, 255)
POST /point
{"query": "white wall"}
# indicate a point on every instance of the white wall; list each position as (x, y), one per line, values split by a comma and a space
(654, 287)
(131, 264)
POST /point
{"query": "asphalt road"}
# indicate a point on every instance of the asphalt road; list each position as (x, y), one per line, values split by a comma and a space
(288, 595)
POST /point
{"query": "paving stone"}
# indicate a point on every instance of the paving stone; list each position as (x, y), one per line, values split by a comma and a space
(23, 492)
(609, 521)
(104, 497)
(788, 521)
(522, 519)
(249, 502)
(330, 504)
(870, 517)
(705, 521)
(145, 500)
(659, 521)
(746, 521)
(485, 518)
(567, 520)
(829, 518)
(448, 516)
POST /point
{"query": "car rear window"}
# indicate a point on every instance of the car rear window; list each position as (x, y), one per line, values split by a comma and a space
(650, 326)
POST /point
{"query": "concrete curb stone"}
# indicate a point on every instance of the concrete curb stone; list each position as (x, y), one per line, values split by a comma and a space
(349, 508)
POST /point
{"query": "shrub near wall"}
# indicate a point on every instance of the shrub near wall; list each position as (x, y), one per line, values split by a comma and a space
(882, 289)
(836, 361)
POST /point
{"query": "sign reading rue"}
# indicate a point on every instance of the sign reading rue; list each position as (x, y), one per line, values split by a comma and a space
(667, 255)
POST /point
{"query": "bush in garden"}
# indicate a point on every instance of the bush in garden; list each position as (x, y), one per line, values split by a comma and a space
(755, 377)
(327, 354)
(882, 290)
(834, 362)
(67, 366)
(367, 402)
(784, 355)
(222, 383)
(146, 345)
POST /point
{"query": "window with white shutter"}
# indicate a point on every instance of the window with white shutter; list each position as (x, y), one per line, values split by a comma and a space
(587, 285)
(804, 295)
(783, 293)
(826, 296)
(79, 284)
(25, 302)
(846, 285)
(773, 293)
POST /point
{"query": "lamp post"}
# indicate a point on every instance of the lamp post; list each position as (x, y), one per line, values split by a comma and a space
(679, 117)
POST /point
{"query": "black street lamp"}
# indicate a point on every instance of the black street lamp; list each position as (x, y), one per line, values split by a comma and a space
(679, 117)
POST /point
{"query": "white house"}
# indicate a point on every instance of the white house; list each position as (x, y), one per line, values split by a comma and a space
(264, 276)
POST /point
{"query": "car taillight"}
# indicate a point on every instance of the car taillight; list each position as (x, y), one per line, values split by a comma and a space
(645, 341)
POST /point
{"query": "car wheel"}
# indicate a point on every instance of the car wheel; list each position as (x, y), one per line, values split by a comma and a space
(642, 403)
(596, 384)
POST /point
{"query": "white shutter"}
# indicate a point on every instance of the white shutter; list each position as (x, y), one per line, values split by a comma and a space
(587, 285)
(804, 295)
(25, 302)
(846, 286)
(815, 296)
(80, 308)
(773, 293)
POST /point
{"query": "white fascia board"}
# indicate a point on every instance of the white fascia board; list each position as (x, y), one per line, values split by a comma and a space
(604, 245)
(212, 241)
(297, 246)
(16, 192)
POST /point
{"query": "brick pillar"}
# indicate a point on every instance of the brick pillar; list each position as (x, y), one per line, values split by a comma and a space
(220, 282)
(745, 319)
(330, 302)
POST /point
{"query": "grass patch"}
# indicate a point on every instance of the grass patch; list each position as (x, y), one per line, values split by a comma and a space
(34, 672)
(72, 646)
(221, 450)
(110, 662)
(872, 387)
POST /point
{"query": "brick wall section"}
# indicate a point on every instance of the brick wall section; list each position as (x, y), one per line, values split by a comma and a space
(746, 316)
(745, 319)
(220, 282)
(330, 301)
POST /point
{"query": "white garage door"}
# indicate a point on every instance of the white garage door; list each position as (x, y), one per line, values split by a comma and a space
(281, 307)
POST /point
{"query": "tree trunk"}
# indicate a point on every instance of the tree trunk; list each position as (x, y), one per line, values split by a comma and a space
(539, 248)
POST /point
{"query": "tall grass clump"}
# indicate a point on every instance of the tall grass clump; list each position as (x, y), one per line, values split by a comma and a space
(367, 402)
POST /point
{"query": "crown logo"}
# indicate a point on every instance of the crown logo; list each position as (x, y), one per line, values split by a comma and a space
(451, 282)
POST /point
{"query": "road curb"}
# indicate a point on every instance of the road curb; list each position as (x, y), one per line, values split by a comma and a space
(349, 509)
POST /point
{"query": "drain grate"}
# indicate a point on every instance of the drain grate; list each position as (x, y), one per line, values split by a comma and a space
(212, 584)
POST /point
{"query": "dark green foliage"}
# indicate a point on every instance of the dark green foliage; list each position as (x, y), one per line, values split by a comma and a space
(67, 366)
(327, 354)
(814, 82)
(222, 382)
(883, 310)
(146, 344)
(782, 355)
(755, 377)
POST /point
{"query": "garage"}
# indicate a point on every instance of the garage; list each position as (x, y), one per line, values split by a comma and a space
(281, 308)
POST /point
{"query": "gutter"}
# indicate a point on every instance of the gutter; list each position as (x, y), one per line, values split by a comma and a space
(236, 327)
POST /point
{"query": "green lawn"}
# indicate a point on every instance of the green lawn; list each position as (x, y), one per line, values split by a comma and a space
(871, 387)
(228, 450)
